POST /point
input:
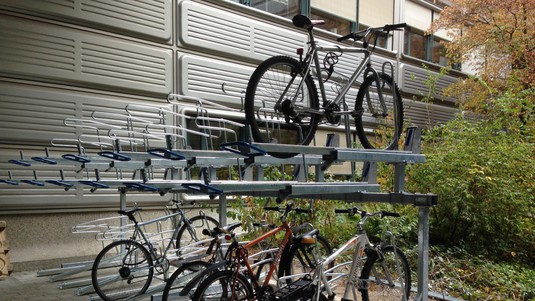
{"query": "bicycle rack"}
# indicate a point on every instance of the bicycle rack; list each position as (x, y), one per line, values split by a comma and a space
(145, 150)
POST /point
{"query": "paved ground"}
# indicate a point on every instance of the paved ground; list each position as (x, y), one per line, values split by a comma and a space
(27, 286)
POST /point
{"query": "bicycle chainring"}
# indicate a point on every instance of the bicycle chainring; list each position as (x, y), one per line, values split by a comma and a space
(330, 109)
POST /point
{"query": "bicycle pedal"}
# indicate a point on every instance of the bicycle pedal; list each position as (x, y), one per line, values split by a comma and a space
(297, 289)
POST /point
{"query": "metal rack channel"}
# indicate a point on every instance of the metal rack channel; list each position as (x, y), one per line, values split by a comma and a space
(320, 157)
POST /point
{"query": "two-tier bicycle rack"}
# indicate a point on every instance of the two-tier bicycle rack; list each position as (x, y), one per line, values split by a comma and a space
(157, 160)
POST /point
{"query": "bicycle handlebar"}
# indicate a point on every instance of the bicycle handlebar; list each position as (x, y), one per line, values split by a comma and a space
(361, 34)
(362, 213)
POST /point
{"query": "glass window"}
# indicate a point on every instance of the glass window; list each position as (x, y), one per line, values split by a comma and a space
(332, 23)
(283, 8)
(415, 44)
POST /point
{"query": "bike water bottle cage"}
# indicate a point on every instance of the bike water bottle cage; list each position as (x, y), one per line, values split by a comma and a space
(304, 22)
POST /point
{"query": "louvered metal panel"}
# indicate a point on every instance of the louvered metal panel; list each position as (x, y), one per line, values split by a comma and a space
(421, 114)
(151, 18)
(212, 29)
(413, 80)
(53, 53)
(204, 77)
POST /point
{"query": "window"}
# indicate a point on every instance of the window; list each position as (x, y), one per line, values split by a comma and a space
(283, 8)
(415, 44)
(332, 23)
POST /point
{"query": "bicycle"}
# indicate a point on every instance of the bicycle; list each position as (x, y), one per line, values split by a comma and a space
(281, 101)
(125, 268)
(238, 280)
(385, 274)
(307, 253)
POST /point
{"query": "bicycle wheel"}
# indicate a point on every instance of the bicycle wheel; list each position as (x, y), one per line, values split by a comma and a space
(182, 276)
(386, 125)
(386, 277)
(224, 285)
(192, 232)
(281, 104)
(304, 258)
(122, 269)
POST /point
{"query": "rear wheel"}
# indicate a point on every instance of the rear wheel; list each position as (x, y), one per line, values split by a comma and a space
(281, 104)
(123, 269)
(386, 276)
(182, 276)
(386, 125)
(224, 285)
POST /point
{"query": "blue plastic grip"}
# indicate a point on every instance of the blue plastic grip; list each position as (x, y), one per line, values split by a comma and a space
(45, 160)
(76, 158)
(199, 187)
(166, 154)
(114, 156)
(228, 147)
(140, 186)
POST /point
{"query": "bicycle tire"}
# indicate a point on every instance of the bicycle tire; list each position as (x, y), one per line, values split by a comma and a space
(291, 123)
(198, 224)
(123, 269)
(182, 276)
(384, 127)
(302, 257)
(373, 276)
(224, 285)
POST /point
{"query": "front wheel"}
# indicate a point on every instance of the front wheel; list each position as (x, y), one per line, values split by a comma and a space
(386, 276)
(281, 104)
(191, 231)
(302, 259)
(224, 285)
(384, 118)
(123, 269)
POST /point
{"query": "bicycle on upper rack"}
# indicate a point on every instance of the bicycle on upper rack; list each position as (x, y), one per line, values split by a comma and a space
(238, 279)
(282, 105)
(125, 268)
(378, 271)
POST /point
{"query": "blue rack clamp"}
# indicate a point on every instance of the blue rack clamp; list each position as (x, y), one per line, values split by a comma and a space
(203, 188)
(244, 149)
(64, 184)
(45, 160)
(76, 158)
(166, 154)
(114, 156)
(94, 184)
(140, 186)
(9, 181)
(20, 162)
(33, 182)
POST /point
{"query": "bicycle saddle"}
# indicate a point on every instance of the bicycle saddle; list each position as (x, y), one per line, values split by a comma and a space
(304, 22)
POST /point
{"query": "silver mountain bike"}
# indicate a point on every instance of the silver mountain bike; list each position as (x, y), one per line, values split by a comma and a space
(282, 104)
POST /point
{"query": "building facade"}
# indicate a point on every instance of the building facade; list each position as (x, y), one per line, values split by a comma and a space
(64, 60)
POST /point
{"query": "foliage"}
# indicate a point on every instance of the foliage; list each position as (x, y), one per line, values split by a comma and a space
(458, 273)
(485, 169)
(497, 36)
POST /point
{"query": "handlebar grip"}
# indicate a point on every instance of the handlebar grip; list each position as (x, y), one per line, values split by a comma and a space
(390, 27)
(392, 214)
(272, 209)
(341, 210)
(343, 38)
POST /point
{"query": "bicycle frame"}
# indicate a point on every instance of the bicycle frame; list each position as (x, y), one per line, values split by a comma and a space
(138, 232)
(363, 68)
(241, 252)
(322, 273)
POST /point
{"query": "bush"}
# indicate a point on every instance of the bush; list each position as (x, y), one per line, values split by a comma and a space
(484, 173)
